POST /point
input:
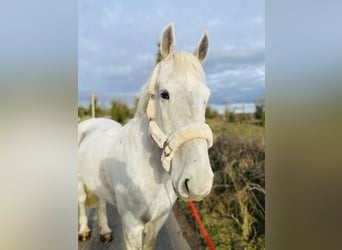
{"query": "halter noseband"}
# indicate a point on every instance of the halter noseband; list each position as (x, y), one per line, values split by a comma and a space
(171, 143)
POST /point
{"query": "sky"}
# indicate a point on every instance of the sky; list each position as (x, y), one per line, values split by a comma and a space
(117, 46)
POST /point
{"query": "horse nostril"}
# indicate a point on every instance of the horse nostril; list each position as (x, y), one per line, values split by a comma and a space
(186, 185)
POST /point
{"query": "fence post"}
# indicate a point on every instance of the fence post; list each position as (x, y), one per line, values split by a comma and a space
(92, 105)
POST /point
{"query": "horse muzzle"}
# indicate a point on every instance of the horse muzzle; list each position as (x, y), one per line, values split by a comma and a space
(189, 191)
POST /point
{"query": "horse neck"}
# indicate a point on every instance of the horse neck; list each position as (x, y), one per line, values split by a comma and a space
(148, 141)
(145, 143)
(150, 151)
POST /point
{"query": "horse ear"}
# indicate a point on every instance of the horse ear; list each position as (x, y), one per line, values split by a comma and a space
(168, 41)
(202, 48)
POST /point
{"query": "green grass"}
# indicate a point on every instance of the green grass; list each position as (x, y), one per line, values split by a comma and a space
(219, 127)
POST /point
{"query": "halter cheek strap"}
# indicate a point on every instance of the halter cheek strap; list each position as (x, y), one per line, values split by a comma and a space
(171, 143)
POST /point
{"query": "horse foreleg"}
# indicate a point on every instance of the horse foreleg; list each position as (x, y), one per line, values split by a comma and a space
(84, 231)
(149, 236)
(105, 231)
(151, 231)
(133, 230)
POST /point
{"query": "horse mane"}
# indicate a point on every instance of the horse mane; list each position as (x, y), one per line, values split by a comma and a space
(143, 99)
(184, 63)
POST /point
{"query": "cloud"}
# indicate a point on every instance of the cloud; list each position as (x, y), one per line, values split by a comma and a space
(117, 45)
(87, 45)
(236, 74)
(113, 71)
(219, 59)
(214, 23)
(258, 20)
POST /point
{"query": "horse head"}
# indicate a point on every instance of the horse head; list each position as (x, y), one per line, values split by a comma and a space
(178, 99)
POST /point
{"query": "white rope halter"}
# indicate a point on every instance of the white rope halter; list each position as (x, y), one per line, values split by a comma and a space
(171, 143)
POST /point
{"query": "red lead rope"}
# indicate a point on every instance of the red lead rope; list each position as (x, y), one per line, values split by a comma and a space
(199, 222)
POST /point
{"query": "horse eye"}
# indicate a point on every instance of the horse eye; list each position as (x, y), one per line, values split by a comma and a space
(165, 95)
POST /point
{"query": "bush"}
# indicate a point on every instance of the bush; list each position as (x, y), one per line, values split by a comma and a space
(120, 111)
(237, 203)
(82, 112)
(260, 111)
(211, 113)
(230, 116)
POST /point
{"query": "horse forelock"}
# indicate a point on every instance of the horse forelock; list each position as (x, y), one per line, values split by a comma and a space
(185, 63)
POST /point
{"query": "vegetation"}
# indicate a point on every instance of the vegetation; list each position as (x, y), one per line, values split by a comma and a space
(83, 112)
(211, 113)
(230, 116)
(260, 111)
(120, 112)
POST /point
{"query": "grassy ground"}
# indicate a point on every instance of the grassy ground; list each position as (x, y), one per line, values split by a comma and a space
(219, 127)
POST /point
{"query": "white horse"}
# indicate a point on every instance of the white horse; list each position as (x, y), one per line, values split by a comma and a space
(159, 155)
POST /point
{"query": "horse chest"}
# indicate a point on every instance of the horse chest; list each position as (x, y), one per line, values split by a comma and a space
(157, 203)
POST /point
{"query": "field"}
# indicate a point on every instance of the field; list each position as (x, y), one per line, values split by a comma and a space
(234, 212)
